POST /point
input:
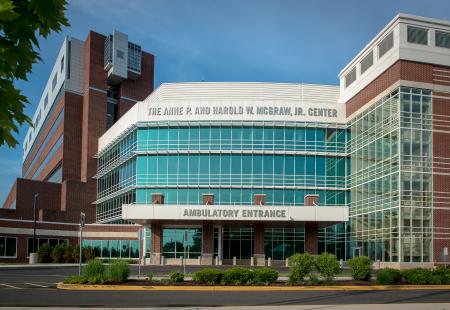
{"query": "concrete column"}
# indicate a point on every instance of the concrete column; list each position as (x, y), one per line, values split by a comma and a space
(207, 234)
(157, 199)
(258, 245)
(207, 243)
(311, 242)
(155, 254)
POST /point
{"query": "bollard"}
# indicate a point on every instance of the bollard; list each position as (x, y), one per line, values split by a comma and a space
(287, 262)
(269, 262)
(181, 261)
(220, 262)
(163, 260)
(33, 258)
(234, 260)
(199, 260)
(216, 261)
(341, 262)
(252, 261)
(378, 265)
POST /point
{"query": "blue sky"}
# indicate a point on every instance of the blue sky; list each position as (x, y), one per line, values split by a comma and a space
(229, 40)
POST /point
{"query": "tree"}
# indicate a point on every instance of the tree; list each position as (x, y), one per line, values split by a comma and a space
(21, 21)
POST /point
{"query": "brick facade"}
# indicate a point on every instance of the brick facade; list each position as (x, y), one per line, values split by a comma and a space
(84, 121)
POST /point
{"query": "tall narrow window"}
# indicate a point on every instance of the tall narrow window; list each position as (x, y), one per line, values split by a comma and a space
(62, 64)
(55, 80)
(350, 77)
(367, 62)
(386, 45)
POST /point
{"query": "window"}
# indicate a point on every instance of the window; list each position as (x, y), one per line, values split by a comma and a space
(120, 54)
(45, 101)
(417, 35)
(62, 64)
(350, 77)
(367, 62)
(55, 80)
(442, 39)
(8, 247)
(41, 241)
(386, 45)
(38, 119)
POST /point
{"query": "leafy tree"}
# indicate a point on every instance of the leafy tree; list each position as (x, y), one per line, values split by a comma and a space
(21, 21)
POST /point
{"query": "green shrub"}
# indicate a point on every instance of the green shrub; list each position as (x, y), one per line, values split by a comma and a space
(94, 271)
(265, 276)
(328, 266)
(88, 253)
(440, 276)
(313, 279)
(118, 271)
(301, 265)
(361, 268)
(150, 277)
(45, 253)
(388, 276)
(417, 276)
(208, 276)
(58, 253)
(75, 280)
(176, 276)
(68, 254)
(238, 276)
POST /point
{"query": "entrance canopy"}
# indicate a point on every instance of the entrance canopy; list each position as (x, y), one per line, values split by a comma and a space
(144, 214)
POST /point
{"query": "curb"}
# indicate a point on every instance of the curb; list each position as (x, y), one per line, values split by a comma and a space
(86, 287)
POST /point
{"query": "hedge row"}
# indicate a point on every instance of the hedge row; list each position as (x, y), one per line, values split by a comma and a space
(63, 253)
(237, 276)
(361, 269)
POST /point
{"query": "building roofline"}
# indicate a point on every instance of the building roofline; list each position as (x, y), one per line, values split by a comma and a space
(397, 19)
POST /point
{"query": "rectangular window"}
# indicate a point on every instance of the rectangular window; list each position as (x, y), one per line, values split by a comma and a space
(367, 62)
(442, 39)
(8, 247)
(417, 35)
(62, 64)
(350, 77)
(55, 80)
(386, 45)
(38, 119)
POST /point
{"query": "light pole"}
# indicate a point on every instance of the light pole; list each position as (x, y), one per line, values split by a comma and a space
(34, 221)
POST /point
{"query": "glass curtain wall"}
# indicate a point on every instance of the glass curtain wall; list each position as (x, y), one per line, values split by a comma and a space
(390, 181)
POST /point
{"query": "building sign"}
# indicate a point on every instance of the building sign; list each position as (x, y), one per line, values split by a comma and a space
(238, 213)
(144, 213)
(250, 111)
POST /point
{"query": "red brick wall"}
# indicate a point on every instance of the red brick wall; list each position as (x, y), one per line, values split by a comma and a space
(72, 136)
(401, 70)
(57, 109)
(49, 195)
(441, 179)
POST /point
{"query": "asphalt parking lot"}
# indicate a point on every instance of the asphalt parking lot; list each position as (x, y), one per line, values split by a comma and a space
(36, 286)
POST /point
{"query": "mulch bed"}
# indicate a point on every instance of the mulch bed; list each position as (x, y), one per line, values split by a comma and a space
(192, 283)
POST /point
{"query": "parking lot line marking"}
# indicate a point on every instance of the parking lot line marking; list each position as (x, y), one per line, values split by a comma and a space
(10, 286)
(39, 285)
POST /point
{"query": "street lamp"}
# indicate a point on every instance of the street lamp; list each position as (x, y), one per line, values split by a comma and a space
(34, 221)
(33, 256)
